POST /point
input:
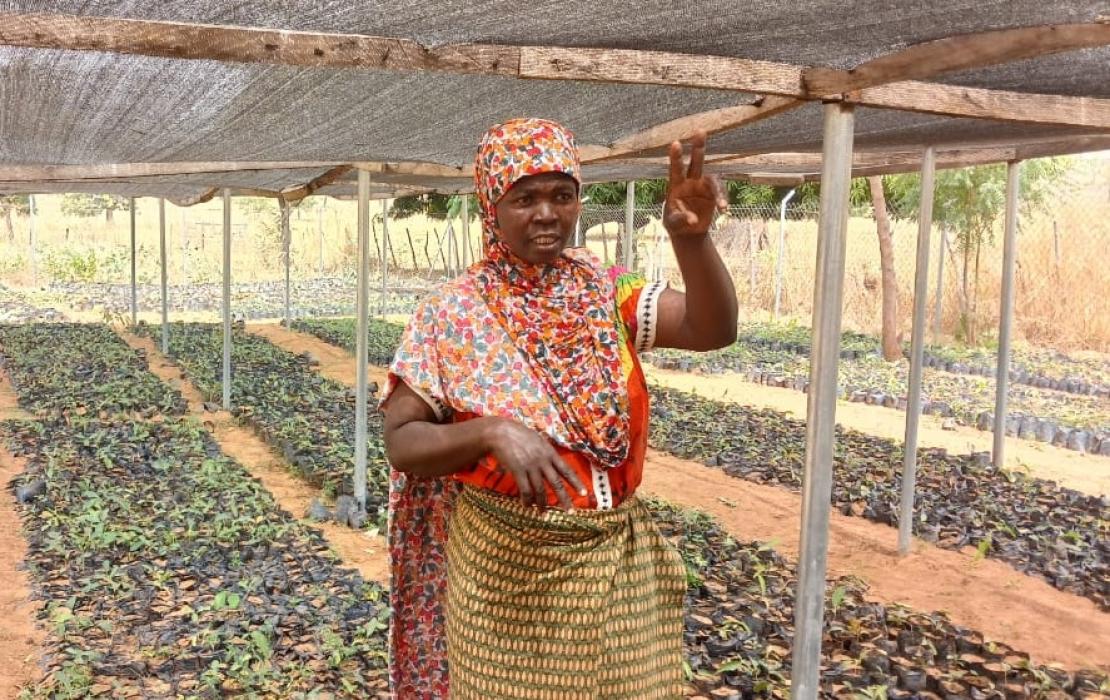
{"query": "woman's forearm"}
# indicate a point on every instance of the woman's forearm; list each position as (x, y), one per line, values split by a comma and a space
(429, 449)
(711, 310)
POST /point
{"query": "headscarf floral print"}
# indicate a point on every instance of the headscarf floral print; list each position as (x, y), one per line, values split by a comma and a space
(559, 316)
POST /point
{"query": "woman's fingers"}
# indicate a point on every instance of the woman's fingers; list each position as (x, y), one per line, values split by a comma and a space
(552, 476)
(718, 193)
(697, 156)
(569, 474)
(539, 488)
(677, 169)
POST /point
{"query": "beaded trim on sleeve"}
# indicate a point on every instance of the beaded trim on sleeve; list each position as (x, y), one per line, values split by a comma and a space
(647, 316)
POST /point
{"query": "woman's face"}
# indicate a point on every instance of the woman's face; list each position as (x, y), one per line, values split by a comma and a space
(537, 216)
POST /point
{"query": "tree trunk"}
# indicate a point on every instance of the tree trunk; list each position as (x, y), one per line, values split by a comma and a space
(8, 221)
(892, 349)
(109, 215)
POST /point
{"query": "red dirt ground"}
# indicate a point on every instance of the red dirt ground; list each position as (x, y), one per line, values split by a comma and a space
(20, 638)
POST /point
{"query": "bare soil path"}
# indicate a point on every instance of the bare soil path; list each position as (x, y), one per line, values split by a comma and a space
(335, 363)
(983, 594)
(20, 638)
(1082, 472)
(357, 549)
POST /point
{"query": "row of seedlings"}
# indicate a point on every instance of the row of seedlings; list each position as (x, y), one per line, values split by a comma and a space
(307, 418)
(1038, 367)
(1034, 525)
(81, 369)
(1072, 421)
(165, 570)
(382, 339)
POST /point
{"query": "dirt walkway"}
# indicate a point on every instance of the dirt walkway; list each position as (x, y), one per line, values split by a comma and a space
(335, 363)
(359, 550)
(983, 594)
(986, 595)
(20, 638)
(1083, 472)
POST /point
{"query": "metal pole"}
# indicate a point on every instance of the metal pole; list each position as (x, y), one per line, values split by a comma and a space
(184, 248)
(33, 240)
(466, 230)
(362, 311)
(450, 234)
(1006, 313)
(751, 261)
(782, 248)
(937, 309)
(385, 250)
(320, 233)
(134, 276)
(225, 377)
(286, 241)
(165, 277)
(917, 350)
(836, 173)
(629, 225)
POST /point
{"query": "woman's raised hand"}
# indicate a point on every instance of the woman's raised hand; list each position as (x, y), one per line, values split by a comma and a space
(692, 197)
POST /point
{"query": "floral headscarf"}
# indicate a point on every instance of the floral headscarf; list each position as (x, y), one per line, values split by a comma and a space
(536, 343)
(560, 317)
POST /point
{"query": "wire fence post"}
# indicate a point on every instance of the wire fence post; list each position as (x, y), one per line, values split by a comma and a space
(917, 351)
(938, 308)
(782, 248)
(836, 172)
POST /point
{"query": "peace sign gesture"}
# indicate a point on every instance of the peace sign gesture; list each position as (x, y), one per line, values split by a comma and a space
(692, 198)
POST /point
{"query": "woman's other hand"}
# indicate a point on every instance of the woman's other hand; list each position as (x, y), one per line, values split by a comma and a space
(533, 462)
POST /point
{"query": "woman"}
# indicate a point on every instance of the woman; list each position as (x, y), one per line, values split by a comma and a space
(516, 424)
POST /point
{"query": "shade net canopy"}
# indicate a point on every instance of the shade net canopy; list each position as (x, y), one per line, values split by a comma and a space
(75, 108)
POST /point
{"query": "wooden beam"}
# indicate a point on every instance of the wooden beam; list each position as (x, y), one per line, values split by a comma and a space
(296, 194)
(417, 169)
(958, 53)
(249, 45)
(712, 122)
(661, 68)
(1001, 105)
(107, 171)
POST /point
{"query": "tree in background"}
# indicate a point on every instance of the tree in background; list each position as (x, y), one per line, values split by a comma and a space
(87, 205)
(14, 204)
(970, 202)
(434, 206)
